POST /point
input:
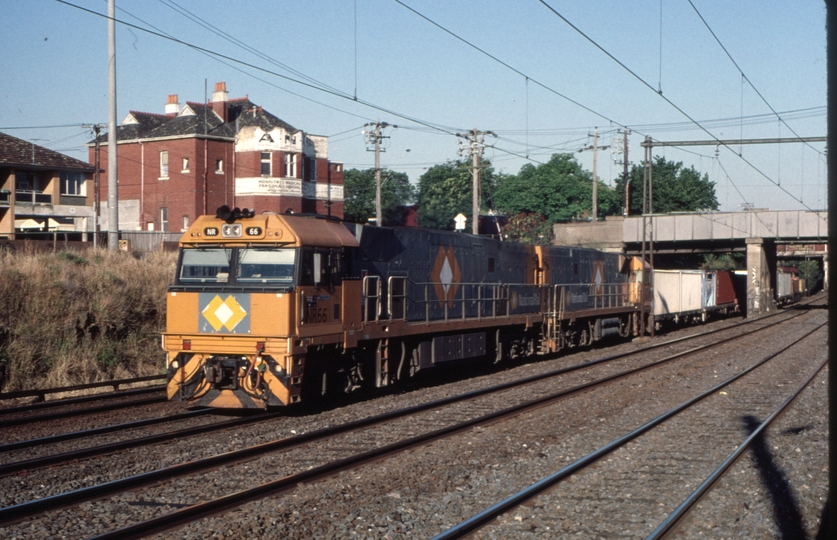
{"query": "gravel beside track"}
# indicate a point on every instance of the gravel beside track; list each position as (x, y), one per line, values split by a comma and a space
(422, 492)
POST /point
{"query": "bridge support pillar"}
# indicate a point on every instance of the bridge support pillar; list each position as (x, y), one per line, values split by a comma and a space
(761, 276)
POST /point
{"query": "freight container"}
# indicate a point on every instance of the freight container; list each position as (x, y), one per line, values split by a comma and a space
(689, 293)
(784, 287)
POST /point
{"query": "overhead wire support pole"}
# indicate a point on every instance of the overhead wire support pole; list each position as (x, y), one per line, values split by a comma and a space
(595, 148)
(648, 230)
(475, 146)
(626, 177)
(374, 138)
(113, 196)
(97, 129)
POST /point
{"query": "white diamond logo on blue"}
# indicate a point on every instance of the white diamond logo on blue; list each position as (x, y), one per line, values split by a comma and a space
(225, 314)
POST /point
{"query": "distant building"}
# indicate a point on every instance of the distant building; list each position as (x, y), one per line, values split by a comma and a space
(176, 166)
(42, 190)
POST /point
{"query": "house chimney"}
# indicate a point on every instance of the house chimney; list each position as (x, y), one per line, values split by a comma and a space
(172, 107)
(219, 100)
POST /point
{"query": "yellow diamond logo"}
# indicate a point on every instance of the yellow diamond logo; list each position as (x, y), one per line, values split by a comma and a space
(224, 313)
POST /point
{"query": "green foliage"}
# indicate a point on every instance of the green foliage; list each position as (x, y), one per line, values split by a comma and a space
(810, 271)
(73, 258)
(359, 193)
(559, 190)
(446, 190)
(725, 261)
(675, 189)
(529, 228)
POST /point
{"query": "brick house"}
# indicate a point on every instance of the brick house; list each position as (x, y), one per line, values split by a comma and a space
(43, 191)
(176, 166)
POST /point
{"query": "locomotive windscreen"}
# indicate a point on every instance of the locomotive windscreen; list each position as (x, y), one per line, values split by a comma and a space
(265, 265)
(243, 266)
(202, 265)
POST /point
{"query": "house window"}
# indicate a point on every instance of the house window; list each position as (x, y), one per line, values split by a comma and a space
(185, 223)
(164, 219)
(164, 164)
(219, 166)
(310, 169)
(290, 165)
(185, 164)
(26, 181)
(266, 169)
(72, 183)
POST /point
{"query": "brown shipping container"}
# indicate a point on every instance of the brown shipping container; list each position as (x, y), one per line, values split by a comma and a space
(724, 290)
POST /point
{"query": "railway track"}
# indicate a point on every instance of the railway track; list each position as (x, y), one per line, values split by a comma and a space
(306, 472)
(485, 517)
(32, 463)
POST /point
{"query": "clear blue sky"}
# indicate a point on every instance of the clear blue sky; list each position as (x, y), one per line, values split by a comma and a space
(433, 85)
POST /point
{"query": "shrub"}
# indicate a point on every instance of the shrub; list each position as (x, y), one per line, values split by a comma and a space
(69, 319)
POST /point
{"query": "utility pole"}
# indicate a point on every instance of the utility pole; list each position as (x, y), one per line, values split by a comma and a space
(648, 225)
(113, 196)
(626, 181)
(97, 129)
(595, 148)
(475, 145)
(374, 138)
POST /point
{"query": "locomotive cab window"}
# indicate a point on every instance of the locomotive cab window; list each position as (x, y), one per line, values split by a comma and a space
(265, 265)
(319, 267)
(205, 265)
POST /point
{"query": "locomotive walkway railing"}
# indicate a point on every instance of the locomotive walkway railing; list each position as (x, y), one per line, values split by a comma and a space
(401, 298)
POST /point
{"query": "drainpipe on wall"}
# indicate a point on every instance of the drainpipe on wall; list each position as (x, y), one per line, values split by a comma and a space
(142, 186)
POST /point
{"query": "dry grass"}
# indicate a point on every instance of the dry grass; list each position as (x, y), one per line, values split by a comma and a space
(68, 318)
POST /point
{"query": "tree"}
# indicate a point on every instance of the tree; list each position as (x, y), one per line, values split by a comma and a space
(724, 261)
(675, 188)
(359, 196)
(810, 271)
(529, 228)
(446, 190)
(559, 190)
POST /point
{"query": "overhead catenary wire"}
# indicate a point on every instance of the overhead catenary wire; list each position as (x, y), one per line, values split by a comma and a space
(667, 100)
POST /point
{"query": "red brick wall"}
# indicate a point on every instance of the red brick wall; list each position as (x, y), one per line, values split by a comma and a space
(194, 193)
(183, 192)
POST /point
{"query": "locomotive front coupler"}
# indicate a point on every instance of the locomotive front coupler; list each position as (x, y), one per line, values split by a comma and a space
(222, 371)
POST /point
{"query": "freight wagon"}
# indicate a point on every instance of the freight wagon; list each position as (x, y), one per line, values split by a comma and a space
(687, 295)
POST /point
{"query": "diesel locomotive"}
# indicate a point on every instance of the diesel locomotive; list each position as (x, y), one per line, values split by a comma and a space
(274, 309)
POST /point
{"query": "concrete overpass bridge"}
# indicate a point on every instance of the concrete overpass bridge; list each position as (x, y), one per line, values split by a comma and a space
(756, 232)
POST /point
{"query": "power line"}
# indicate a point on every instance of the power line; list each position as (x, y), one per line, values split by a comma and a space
(262, 69)
(670, 102)
(512, 68)
(742, 71)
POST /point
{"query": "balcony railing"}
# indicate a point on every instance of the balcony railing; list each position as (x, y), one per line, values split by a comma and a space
(32, 197)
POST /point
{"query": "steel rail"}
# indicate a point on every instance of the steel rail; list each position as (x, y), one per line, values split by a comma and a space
(93, 451)
(51, 439)
(684, 507)
(79, 412)
(81, 399)
(34, 463)
(205, 509)
(479, 520)
(41, 393)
